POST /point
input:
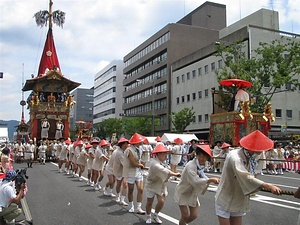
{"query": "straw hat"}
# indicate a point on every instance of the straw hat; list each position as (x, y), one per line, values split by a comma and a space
(136, 139)
(178, 141)
(161, 149)
(225, 145)
(256, 142)
(205, 148)
(158, 138)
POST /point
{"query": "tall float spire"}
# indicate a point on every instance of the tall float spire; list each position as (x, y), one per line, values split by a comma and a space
(49, 59)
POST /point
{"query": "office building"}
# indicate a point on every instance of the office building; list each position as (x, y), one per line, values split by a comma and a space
(147, 69)
(193, 76)
(108, 89)
(82, 110)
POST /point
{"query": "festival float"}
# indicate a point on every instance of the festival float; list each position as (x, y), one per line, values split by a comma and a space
(231, 126)
(50, 101)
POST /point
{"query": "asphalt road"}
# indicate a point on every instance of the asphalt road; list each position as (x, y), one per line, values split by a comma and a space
(57, 198)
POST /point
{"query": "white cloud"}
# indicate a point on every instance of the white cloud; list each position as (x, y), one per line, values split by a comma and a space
(95, 33)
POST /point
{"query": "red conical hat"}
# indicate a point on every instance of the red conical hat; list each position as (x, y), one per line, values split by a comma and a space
(160, 149)
(123, 140)
(146, 141)
(88, 145)
(103, 142)
(80, 142)
(158, 138)
(136, 139)
(205, 148)
(94, 141)
(178, 141)
(256, 142)
(225, 145)
(68, 142)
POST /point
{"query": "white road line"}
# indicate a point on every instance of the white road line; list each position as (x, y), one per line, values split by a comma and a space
(165, 216)
(269, 200)
(162, 215)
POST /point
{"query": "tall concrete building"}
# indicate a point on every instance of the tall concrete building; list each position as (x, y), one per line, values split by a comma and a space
(108, 89)
(148, 67)
(193, 76)
(83, 109)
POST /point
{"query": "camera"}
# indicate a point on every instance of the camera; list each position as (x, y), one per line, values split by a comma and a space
(20, 178)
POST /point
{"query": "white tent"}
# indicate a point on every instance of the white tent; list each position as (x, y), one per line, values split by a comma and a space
(152, 140)
(171, 136)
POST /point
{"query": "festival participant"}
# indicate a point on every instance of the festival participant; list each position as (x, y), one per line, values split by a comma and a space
(191, 153)
(78, 148)
(9, 200)
(59, 129)
(69, 163)
(132, 170)
(216, 151)
(98, 164)
(272, 155)
(176, 157)
(82, 159)
(91, 153)
(118, 171)
(238, 181)
(29, 153)
(222, 154)
(63, 157)
(280, 156)
(54, 147)
(241, 96)
(42, 153)
(193, 181)
(45, 128)
(147, 149)
(108, 189)
(156, 182)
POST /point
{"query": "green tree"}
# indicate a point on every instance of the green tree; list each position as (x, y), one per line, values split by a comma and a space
(107, 127)
(182, 119)
(271, 65)
(141, 125)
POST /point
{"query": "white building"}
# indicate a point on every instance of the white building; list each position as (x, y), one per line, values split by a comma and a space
(108, 89)
(193, 77)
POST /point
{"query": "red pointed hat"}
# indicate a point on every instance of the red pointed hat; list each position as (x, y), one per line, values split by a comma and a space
(256, 142)
(68, 142)
(88, 145)
(94, 141)
(146, 141)
(225, 145)
(123, 140)
(205, 148)
(103, 142)
(158, 138)
(178, 141)
(160, 149)
(79, 142)
(136, 139)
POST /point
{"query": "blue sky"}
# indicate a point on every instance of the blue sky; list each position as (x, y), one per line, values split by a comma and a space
(97, 32)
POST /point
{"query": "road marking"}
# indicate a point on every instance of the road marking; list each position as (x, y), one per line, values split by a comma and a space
(276, 201)
(165, 216)
(162, 215)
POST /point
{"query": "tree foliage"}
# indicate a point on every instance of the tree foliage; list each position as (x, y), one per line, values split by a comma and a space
(182, 119)
(271, 65)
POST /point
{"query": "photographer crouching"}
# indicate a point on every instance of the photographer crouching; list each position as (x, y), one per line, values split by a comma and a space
(9, 198)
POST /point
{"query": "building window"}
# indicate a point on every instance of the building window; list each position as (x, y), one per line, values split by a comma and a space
(199, 118)
(220, 63)
(182, 77)
(199, 94)
(188, 76)
(194, 119)
(289, 114)
(188, 98)
(177, 100)
(206, 93)
(194, 96)
(200, 71)
(206, 69)
(177, 79)
(278, 113)
(194, 73)
(206, 118)
(182, 99)
(213, 66)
